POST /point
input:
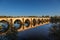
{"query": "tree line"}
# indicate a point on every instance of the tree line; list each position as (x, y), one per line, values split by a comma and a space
(55, 19)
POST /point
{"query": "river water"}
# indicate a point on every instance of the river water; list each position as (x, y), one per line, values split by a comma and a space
(38, 33)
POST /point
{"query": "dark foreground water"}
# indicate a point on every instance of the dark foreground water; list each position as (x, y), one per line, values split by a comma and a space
(38, 33)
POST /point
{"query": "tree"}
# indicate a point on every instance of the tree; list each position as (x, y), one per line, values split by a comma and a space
(54, 32)
(12, 35)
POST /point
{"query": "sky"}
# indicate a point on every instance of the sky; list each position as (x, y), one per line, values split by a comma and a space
(29, 7)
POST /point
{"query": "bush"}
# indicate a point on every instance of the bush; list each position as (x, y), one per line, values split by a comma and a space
(54, 32)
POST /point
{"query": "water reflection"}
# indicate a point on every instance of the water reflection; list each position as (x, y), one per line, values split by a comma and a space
(16, 25)
(46, 32)
(3, 27)
(55, 31)
(38, 33)
(27, 23)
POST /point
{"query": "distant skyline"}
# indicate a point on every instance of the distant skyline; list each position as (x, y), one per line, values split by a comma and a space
(29, 7)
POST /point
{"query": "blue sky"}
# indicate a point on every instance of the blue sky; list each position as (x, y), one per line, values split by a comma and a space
(29, 7)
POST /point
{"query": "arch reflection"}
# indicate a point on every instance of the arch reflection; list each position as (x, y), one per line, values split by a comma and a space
(17, 24)
(4, 26)
(27, 23)
(34, 22)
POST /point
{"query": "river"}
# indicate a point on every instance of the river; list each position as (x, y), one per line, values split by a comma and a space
(38, 33)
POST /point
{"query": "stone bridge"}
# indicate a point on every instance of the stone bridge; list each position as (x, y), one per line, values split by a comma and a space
(21, 23)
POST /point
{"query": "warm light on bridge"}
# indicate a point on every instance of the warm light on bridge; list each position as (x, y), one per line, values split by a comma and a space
(21, 23)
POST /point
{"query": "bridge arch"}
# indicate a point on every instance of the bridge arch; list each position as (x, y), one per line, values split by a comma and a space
(17, 21)
(34, 22)
(17, 24)
(27, 23)
(4, 26)
(38, 21)
(44, 20)
(21, 21)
